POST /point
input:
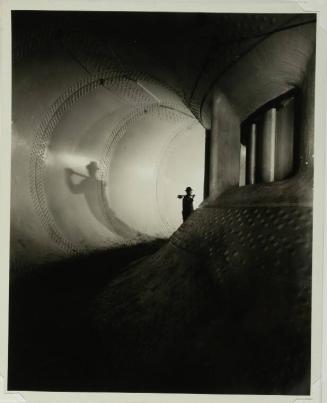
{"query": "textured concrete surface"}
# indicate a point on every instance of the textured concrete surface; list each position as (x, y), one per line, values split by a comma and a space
(224, 307)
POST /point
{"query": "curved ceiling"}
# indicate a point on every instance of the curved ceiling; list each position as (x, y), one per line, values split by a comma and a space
(186, 51)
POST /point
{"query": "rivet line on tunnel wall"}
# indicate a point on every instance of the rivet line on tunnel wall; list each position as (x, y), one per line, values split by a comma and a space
(38, 159)
(40, 143)
(56, 111)
(170, 114)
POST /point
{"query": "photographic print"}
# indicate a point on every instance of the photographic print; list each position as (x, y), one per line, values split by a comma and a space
(161, 202)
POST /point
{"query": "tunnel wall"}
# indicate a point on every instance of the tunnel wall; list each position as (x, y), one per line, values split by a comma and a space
(28, 234)
(132, 129)
(78, 98)
(276, 65)
(280, 63)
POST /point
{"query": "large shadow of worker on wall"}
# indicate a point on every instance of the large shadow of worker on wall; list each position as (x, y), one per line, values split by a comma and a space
(92, 189)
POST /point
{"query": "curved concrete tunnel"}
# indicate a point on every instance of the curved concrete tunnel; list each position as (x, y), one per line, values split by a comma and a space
(133, 112)
(108, 129)
(103, 157)
(141, 157)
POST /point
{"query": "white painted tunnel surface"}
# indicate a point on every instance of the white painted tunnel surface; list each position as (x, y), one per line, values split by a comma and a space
(150, 166)
(111, 166)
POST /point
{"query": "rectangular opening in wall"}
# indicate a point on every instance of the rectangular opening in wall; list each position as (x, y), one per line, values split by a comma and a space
(269, 137)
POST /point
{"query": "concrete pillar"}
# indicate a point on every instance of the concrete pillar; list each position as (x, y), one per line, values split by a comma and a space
(268, 145)
(224, 171)
(306, 129)
(242, 181)
(207, 163)
(284, 160)
(251, 155)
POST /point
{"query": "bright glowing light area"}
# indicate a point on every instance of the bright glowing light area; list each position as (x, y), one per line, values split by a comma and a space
(150, 166)
(113, 175)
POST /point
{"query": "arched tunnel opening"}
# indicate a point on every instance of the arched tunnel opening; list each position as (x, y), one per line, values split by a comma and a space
(114, 179)
(109, 128)
(110, 154)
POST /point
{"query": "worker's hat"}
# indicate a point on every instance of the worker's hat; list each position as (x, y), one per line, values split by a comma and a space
(92, 166)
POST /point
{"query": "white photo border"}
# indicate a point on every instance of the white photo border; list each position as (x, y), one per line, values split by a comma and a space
(319, 282)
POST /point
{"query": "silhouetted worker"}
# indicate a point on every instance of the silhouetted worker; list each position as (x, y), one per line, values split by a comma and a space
(187, 202)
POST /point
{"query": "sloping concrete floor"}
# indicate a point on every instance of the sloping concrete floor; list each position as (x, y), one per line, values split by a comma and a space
(223, 307)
